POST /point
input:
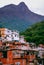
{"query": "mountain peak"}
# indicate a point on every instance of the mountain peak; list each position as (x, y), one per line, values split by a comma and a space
(18, 16)
(22, 3)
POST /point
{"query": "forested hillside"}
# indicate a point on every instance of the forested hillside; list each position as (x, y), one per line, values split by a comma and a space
(35, 33)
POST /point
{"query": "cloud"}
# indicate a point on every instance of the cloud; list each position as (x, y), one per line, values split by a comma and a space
(36, 6)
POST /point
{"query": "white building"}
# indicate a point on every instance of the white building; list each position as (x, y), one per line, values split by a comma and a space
(10, 35)
(15, 36)
(22, 39)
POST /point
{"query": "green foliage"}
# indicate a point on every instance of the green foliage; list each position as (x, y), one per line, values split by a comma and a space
(35, 33)
(2, 25)
(14, 23)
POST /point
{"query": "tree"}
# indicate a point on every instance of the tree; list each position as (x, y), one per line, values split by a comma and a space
(35, 33)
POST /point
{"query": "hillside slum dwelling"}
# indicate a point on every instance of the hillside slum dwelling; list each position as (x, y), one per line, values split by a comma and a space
(14, 50)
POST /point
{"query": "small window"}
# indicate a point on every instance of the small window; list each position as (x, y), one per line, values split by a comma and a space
(27, 53)
(7, 36)
(4, 54)
(22, 55)
(22, 45)
(0, 33)
(15, 35)
(8, 31)
(17, 63)
(11, 35)
(12, 38)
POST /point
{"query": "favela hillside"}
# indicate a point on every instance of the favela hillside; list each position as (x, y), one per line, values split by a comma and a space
(17, 49)
(21, 32)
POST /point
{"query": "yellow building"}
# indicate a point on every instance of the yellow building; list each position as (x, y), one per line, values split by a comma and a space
(2, 32)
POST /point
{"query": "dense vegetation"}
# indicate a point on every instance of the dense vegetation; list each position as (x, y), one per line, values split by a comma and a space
(35, 33)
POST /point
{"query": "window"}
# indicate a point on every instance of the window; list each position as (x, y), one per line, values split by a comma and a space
(12, 38)
(17, 63)
(8, 31)
(15, 35)
(22, 55)
(16, 40)
(22, 45)
(0, 33)
(4, 54)
(7, 36)
(27, 53)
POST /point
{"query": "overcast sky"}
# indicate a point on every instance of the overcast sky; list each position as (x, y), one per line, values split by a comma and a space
(36, 6)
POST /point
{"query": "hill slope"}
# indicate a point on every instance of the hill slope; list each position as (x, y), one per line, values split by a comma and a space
(35, 33)
(18, 16)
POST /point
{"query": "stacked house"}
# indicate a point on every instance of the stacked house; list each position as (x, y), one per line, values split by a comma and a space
(14, 50)
(8, 35)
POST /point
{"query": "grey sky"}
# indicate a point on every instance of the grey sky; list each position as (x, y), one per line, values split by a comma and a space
(36, 6)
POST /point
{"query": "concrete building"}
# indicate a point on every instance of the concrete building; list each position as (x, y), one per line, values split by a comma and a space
(8, 35)
(14, 50)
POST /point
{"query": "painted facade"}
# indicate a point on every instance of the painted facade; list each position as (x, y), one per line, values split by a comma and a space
(14, 50)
